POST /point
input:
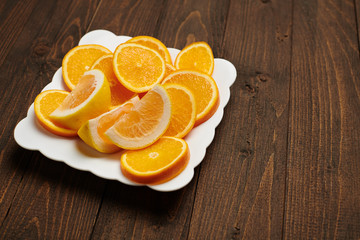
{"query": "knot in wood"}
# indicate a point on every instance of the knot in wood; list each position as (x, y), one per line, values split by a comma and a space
(41, 48)
(263, 77)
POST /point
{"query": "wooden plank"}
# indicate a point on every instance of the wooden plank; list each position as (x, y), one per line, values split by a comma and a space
(323, 194)
(141, 213)
(129, 18)
(38, 196)
(357, 15)
(13, 16)
(240, 193)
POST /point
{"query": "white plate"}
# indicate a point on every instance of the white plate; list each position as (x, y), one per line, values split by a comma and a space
(72, 151)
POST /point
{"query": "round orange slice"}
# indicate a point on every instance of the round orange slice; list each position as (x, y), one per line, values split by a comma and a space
(89, 99)
(119, 93)
(79, 60)
(183, 110)
(204, 89)
(196, 56)
(138, 68)
(145, 123)
(45, 103)
(153, 43)
(92, 131)
(158, 163)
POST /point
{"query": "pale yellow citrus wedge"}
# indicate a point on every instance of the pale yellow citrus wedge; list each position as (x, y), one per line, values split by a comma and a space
(145, 123)
(45, 103)
(138, 67)
(79, 60)
(153, 43)
(204, 89)
(183, 110)
(158, 163)
(197, 56)
(92, 131)
(89, 99)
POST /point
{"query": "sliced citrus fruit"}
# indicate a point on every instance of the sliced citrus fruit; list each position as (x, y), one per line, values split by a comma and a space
(153, 43)
(158, 163)
(145, 123)
(119, 93)
(78, 60)
(137, 67)
(89, 99)
(92, 131)
(196, 56)
(204, 89)
(45, 103)
(169, 68)
(183, 110)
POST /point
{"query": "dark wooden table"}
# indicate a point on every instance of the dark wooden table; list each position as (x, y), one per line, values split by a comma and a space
(285, 162)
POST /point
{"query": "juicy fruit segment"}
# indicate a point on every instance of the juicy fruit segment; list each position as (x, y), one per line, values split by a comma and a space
(158, 163)
(79, 60)
(153, 43)
(183, 111)
(137, 67)
(145, 123)
(45, 103)
(92, 131)
(169, 68)
(204, 89)
(119, 94)
(89, 99)
(196, 56)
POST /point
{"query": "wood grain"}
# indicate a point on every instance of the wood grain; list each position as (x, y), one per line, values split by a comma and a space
(129, 17)
(242, 180)
(323, 191)
(285, 160)
(40, 207)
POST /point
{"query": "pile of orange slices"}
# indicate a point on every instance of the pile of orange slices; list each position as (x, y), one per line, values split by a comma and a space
(134, 99)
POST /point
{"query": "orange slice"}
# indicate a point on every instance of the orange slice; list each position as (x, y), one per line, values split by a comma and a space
(204, 89)
(169, 68)
(89, 99)
(183, 110)
(196, 56)
(153, 43)
(78, 60)
(145, 123)
(119, 93)
(158, 163)
(92, 131)
(45, 103)
(137, 67)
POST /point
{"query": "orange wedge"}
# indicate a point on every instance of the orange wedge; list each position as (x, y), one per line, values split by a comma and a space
(153, 43)
(183, 111)
(204, 89)
(79, 60)
(119, 94)
(45, 103)
(158, 163)
(89, 99)
(145, 123)
(92, 131)
(137, 67)
(196, 56)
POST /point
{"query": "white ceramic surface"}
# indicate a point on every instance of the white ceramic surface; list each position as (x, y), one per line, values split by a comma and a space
(72, 151)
